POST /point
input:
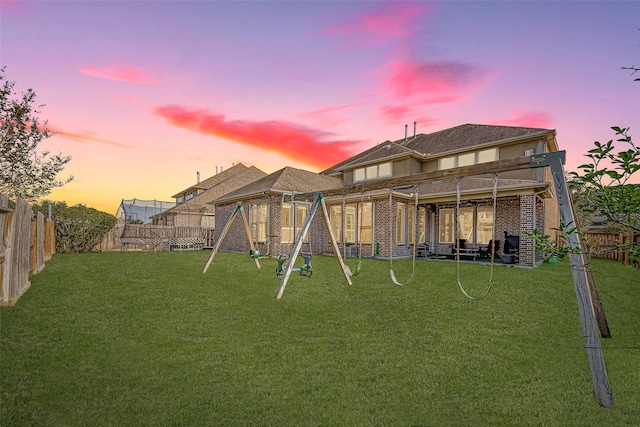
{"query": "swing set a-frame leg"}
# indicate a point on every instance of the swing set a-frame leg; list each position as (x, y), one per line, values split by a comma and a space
(599, 377)
(318, 199)
(226, 228)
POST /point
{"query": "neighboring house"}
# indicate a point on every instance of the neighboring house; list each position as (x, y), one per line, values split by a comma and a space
(273, 211)
(136, 211)
(193, 208)
(378, 222)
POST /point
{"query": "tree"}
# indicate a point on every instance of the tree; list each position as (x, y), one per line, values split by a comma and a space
(607, 182)
(25, 172)
(78, 228)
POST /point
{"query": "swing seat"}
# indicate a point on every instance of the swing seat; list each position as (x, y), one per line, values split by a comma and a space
(395, 281)
(306, 269)
(281, 258)
(356, 270)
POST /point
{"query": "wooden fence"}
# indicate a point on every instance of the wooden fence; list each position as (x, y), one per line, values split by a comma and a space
(25, 244)
(138, 237)
(611, 245)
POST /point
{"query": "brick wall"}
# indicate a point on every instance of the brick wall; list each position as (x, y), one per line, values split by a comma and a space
(514, 215)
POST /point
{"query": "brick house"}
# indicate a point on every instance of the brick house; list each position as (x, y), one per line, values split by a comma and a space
(380, 220)
(192, 204)
(275, 212)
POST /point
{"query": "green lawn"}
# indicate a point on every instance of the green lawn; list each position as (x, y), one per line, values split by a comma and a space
(147, 339)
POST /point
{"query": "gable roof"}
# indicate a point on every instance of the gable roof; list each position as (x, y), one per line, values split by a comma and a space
(285, 180)
(214, 180)
(200, 202)
(436, 144)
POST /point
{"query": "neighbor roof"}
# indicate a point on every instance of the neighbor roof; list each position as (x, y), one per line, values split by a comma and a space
(214, 180)
(200, 203)
(285, 180)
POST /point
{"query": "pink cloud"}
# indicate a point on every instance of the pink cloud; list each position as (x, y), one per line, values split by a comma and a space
(86, 136)
(409, 86)
(394, 20)
(119, 73)
(430, 82)
(295, 142)
(127, 98)
(332, 115)
(524, 118)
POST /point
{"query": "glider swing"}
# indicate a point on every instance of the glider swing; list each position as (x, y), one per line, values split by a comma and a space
(493, 237)
(226, 228)
(415, 222)
(318, 200)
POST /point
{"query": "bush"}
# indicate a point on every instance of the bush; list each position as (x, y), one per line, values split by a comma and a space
(78, 228)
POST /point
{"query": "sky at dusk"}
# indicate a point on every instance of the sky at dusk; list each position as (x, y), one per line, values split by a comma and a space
(145, 94)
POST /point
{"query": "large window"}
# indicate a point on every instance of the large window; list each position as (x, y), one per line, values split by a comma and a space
(422, 225)
(446, 231)
(467, 225)
(468, 159)
(383, 170)
(485, 224)
(293, 216)
(259, 220)
(366, 222)
(476, 224)
(412, 225)
(400, 223)
(335, 216)
(350, 223)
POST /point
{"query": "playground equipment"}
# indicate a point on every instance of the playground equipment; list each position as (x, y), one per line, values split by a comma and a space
(252, 252)
(493, 238)
(415, 221)
(589, 307)
(305, 269)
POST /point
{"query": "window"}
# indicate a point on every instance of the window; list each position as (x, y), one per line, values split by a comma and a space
(382, 170)
(286, 233)
(447, 163)
(468, 159)
(489, 155)
(335, 218)
(301, 216)
(366, 222)
(258, 215)
(350, 223)
(422, 225)
(400, 223)
(291, 223)
(484, 224)
(412, 225)
(445, 227)
(467, 225)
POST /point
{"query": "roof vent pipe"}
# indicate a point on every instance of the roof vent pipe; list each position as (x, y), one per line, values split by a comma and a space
(405, 132)
(415, 125)
(198, 175)
(216, 170)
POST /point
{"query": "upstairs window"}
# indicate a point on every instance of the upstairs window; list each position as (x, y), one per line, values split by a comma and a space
(383, 170)
(468, 159)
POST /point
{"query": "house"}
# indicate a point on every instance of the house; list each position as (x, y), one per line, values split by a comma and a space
(275, 213)
(136, 211)
(193, 208)
(370, 217)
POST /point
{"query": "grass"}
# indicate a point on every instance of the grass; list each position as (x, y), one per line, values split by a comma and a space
(147, 339)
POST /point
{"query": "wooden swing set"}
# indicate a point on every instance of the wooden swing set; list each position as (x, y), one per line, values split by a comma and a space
(591, 313)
